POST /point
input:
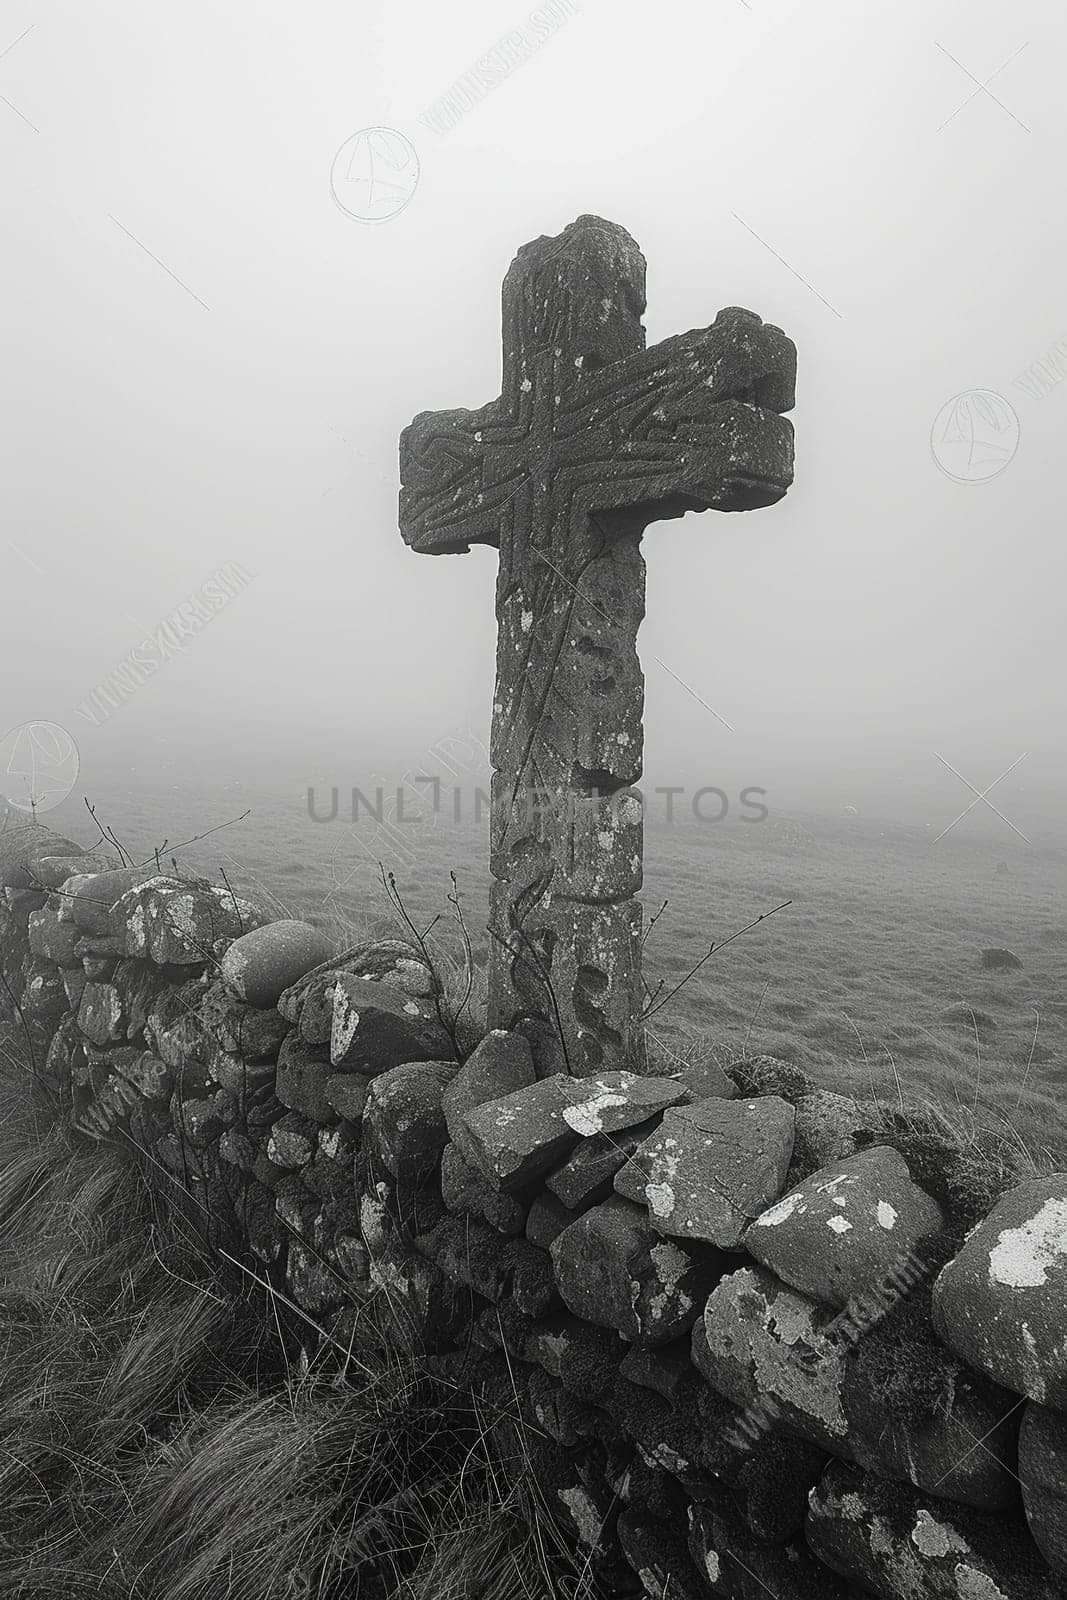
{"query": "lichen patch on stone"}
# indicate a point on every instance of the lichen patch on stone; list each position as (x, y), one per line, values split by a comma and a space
(1022, 1256)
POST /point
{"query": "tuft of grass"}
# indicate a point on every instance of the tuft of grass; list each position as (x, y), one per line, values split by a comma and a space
(159, 1442)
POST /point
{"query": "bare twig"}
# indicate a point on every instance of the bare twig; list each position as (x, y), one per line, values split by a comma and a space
(667, 998)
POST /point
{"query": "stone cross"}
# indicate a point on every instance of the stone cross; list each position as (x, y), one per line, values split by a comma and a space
(592, 438)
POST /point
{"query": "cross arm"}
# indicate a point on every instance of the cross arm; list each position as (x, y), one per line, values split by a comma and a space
(691, 424)
(446, 501)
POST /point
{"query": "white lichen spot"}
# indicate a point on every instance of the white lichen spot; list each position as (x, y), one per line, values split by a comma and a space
(660, 1199)
(343, 1029)
(526, 621)
(1022, 1256)
(525, 385)
(711, 1565)
(781, 1212)
(587, 1117)
(887, 1217)
(839, 1224)
(584, 1512)
(933, 1538)
(974, 1585)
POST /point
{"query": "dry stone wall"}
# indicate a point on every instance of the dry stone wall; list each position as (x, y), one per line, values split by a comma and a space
(757, 1349)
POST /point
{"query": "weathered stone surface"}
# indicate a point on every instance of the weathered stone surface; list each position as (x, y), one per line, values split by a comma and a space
(705, 1080)
(52, 939)
(138, 985)
(906, 1546)
(546, 1220)
(90, 898)
(615, 1270)
(736, 1564)
(499, 1065)
(309, 1001)
(829, 1127)
(522, 1135)
(711, 1168)
(173, 1028)
(663, 1370)
(377, 1027)
(585, 1359)
(466, 1191)
(44, 996)
(649, 434)
(998, 960)
(300, 1080)
(847, 1227)
(346, 1094)
(292, 1141)
(1001, 1303)
(74, 981)
(151, 1077)
(175, 922)
(404, 1120)
(765, 1348)
(785, 1361)
(588, 1174)
(254, 1033)
(659, 1557)
(1043, 1473)
(23, 845)
(100, 1014)
(52, 872)
(262, 964)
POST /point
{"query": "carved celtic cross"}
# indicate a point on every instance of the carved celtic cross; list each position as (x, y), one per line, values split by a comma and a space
(592, 438)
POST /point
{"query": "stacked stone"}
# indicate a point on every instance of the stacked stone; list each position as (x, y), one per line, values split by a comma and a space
(748, 1348)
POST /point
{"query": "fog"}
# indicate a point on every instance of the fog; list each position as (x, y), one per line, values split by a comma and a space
(208, 361)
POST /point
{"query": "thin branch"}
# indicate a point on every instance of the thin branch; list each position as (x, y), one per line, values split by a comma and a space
(667, 998)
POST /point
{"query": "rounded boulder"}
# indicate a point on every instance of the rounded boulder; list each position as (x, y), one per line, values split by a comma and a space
(259, 966)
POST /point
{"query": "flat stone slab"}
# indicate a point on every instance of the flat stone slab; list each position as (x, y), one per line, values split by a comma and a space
(712, 1168)
(893, 1541)
(850, 1225)
(377, 1027)
(1043, 1473)
(517, 1138)
(501, 1063)
(588, 1174)
(261, 965)
(613, 1269)
(1001, 1303)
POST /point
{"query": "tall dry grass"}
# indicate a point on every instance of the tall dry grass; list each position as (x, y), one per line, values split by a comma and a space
(161, 1439)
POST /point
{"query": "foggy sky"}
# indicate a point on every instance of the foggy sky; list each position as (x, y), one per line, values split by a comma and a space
(206, 362)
